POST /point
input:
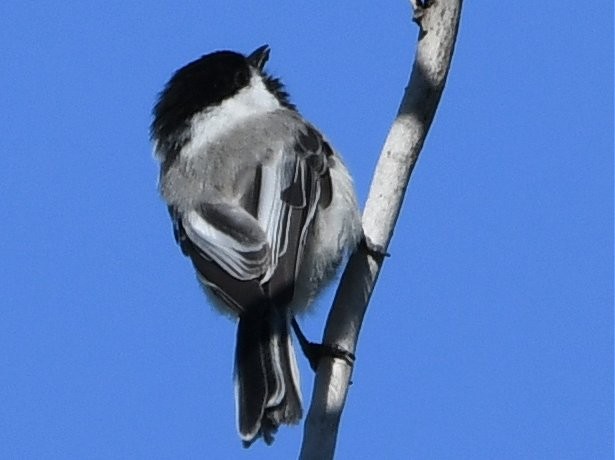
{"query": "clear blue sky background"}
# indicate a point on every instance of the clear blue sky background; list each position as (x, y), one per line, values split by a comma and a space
(490, 332)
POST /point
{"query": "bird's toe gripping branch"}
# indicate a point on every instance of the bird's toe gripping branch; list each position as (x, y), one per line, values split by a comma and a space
(375, 250)
(314, 352)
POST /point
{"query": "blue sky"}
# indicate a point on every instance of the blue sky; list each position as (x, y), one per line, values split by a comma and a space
(490, 333)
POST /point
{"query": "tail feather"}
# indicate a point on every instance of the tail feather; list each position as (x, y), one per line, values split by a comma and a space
(266, 377)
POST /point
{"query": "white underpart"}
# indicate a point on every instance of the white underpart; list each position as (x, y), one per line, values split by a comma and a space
(336, 230)
(207, 126)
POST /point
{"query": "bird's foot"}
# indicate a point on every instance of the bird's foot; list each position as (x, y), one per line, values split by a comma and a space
(375, 250)
(314, 352)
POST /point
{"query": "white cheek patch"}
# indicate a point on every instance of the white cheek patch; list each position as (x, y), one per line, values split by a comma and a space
(205, 127)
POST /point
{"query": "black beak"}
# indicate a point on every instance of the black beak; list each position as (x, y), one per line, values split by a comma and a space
(259, 57)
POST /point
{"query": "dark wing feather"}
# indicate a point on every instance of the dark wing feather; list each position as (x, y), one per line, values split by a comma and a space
(263, 237)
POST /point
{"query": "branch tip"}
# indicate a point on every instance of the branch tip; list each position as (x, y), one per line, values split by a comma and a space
(418, 8)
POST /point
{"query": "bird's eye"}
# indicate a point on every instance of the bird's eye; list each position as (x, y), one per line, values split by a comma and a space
(242, 77)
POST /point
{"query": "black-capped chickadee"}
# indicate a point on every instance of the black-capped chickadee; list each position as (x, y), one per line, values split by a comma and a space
(264, 208)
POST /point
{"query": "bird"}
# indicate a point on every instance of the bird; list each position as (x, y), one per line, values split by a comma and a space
(264, 208)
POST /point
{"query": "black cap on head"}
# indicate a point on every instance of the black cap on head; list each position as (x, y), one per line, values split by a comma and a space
(202, 83)
(206, 82)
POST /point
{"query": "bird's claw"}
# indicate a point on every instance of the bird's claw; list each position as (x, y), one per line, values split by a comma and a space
(314, 352)
(373, 249)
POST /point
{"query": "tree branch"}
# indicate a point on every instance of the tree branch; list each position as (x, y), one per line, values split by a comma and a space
(438, 21)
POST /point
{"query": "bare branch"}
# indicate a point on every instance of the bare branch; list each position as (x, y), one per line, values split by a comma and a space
(438, 21)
